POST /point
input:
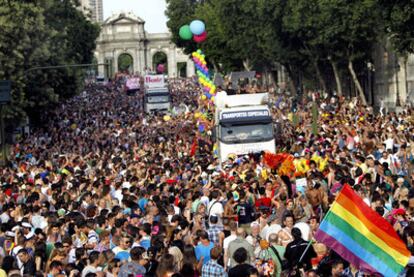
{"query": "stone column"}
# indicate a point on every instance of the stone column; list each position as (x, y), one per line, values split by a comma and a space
(149, 58)
(101, 68)
(134, 54)
(190, 68)
(141, 56)
(115, 54)
(172, 63)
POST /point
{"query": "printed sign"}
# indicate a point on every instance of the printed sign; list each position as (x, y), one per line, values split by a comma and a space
(132, 83)
(154, 81)
(245, 114)
(301, 185)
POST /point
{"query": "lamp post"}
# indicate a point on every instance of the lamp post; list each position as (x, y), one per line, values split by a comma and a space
(397, 89)
(371, 72)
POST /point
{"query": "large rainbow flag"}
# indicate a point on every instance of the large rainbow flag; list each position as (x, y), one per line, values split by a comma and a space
(362, 237)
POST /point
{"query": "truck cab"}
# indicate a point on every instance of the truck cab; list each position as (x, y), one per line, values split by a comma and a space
(243, 125)
(157, 100)
(157, 96)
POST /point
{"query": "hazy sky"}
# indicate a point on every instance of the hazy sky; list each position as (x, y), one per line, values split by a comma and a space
(151, 11)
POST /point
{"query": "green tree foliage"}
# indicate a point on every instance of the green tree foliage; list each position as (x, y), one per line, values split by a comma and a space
(179, 13)
(42, 33)
(327, 40)
(125, 62)
(399, 22)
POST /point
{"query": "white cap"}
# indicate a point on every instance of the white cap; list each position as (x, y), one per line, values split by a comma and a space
(10, 234)
(29, 236)
(126, 185)
(26, 225)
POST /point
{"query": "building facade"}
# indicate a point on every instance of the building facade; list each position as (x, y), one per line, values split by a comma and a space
(124, 34)
(393, 78)
(96, 7)
(92, 9)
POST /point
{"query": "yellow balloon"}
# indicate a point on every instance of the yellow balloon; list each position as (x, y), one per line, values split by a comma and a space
(212, 98)
(197, 115)
(203, 97)
(167, 118)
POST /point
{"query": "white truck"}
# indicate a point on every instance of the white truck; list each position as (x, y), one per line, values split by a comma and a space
(243, 125)
(157, 96)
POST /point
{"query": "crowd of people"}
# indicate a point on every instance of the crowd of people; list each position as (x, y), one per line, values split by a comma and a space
(103, 189)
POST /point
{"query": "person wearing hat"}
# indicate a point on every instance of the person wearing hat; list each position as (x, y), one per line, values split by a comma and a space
(26, 228)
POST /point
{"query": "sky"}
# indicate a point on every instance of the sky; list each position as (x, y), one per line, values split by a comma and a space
(151, 11)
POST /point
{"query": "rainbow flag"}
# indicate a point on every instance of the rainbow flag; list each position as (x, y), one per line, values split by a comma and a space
(362, 237)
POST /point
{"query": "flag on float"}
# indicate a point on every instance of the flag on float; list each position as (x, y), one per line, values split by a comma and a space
(362, 237)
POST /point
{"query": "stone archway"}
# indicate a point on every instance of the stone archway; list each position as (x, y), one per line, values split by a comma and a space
(160, 58)
(125, 63)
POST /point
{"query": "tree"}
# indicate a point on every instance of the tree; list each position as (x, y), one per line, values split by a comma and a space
(23, 42)
(42, 33)
(301, 23)
(218, 53)
(399, 21)
(179, 13)
(125, 62)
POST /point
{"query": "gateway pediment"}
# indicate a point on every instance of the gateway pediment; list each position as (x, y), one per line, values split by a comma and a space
(124, 18)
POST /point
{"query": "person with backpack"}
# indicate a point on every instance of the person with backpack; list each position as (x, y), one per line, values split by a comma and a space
(277, 253)
(215, 207)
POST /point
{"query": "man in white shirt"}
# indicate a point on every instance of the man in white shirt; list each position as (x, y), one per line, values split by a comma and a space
(226, 242)
(215, 207)
(273, 228)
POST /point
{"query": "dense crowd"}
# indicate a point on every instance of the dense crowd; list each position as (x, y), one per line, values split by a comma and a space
(103, 189)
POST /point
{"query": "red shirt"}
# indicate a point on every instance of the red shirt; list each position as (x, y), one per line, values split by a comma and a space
(264, 202)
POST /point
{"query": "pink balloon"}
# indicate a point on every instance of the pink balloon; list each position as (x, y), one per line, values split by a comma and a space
(160, 68)
(201, 37)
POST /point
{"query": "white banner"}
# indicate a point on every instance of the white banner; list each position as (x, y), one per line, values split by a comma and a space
(154, 81)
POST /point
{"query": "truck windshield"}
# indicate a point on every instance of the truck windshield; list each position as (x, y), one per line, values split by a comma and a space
(158, 99)
(246, 133)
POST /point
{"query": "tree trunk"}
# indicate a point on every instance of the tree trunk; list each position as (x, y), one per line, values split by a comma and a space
(337, 78)
(356, 82)
(247, 66)
(319, 75)
(292, 83)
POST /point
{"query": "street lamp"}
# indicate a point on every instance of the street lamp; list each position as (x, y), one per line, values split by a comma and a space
(371, 72)
(397, 89)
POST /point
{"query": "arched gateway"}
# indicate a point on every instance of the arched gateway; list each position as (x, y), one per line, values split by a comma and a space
(123, 39)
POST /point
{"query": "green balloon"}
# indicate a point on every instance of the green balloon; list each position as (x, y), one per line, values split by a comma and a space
(185, 32)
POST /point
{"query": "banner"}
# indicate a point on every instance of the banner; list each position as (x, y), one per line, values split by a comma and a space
(154, 81)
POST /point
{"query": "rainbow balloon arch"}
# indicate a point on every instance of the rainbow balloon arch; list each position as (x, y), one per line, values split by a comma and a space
(203, 74)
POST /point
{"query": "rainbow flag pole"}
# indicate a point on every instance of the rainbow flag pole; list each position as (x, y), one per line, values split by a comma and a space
(362, 237)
